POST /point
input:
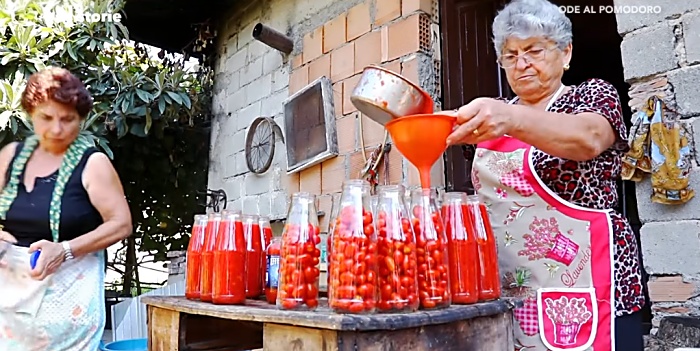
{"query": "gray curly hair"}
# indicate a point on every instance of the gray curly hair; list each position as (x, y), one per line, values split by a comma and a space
(529, 18)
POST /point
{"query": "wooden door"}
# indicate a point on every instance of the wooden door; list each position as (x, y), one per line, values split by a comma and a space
(469, 71)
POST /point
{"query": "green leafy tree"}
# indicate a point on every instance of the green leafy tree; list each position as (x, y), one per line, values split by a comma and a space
(151, 112)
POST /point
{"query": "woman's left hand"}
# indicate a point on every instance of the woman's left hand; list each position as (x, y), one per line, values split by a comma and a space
(6, 240)
(51, 257)
(480, 120)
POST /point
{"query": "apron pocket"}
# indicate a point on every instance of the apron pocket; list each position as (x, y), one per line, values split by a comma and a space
(20, 293)
(568, 318)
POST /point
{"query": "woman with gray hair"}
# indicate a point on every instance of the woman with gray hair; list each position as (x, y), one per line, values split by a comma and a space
(546, 166)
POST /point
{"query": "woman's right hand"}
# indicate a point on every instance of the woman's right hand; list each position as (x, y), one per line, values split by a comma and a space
(8, 238)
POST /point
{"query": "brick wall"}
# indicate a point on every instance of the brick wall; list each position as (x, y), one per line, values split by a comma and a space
(661, 56)
(335, 39)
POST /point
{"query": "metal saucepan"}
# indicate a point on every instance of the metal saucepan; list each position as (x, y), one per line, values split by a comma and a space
(383, 95)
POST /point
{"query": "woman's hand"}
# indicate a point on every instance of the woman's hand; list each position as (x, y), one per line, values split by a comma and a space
(7, 237)
(51, 257)
(480, 120)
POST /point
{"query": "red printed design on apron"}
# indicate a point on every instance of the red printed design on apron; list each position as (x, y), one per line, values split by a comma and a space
(554, 255)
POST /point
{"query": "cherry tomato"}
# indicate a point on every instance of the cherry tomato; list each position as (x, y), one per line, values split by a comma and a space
(347, 278)
(289, 304)
(357, 307)
(371, 276)
(345, 292)
(429, 304)
(390, 265)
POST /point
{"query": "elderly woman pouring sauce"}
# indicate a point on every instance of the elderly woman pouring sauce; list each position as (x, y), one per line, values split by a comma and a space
(62, 198)
(546, 166)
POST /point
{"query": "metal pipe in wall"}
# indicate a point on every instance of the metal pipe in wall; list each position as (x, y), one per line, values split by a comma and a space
(273, 38)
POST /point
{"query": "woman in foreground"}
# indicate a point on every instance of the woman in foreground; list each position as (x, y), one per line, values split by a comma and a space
(546, 166)
(61, 197)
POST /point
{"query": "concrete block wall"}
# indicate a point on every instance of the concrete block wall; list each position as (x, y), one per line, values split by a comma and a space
(661, 56)
(335, 39)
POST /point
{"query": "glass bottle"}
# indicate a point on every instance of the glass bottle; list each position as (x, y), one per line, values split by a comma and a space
(265, 230)
(396, 256)
(193, 275)
(353, 260)
(462, 249)
(373, 202)
(299, 266)
(489, 278)
(254, 256)
(431, 251)
(335, 205)
(211, 233)
(229, 262)
(266, 239)
(272, 271)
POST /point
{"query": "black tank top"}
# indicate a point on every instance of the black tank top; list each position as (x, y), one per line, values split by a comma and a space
(28, 217)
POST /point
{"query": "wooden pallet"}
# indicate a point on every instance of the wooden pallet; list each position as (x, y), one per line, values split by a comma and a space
(175, 323)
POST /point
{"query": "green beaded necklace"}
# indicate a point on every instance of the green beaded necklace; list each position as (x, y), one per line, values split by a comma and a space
(70, 160)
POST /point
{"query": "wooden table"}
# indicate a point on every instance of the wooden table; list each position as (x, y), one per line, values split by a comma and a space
(175, 323)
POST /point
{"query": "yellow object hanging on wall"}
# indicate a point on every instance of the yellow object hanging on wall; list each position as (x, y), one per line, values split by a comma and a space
(660, 145)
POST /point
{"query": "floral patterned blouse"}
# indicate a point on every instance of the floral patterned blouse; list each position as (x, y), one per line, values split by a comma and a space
(593, 184)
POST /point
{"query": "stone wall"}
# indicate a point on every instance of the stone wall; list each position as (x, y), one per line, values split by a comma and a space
(661, 56)
(332, 38)
(177, 262)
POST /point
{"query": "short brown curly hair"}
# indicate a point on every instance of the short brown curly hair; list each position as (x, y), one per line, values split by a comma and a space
(59, 85)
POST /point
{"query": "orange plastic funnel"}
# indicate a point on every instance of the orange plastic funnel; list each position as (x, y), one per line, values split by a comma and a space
(421, 139)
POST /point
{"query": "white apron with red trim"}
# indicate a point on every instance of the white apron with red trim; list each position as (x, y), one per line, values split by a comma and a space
(554, 255)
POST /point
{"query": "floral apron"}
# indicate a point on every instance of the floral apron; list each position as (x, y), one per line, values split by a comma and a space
(554, 255)
(63, 312)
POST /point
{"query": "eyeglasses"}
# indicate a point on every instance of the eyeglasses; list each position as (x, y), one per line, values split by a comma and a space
(530, 56)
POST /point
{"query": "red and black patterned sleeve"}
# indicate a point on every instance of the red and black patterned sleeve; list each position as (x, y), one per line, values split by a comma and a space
(600, 97)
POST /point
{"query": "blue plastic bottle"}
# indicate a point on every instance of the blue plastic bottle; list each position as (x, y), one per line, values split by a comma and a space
(34, 258)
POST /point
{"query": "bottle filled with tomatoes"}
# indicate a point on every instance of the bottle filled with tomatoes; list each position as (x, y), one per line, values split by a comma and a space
(253, 256)
(335, 208)
(396, 256)
(272, 270)
(489, 278)
(211, 233)
(299, 266)
(431, 250)
(193, 274)
(229, 262)
(353, 254)
(462, 249)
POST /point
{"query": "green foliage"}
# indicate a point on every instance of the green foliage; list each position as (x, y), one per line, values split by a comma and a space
(151, 114)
